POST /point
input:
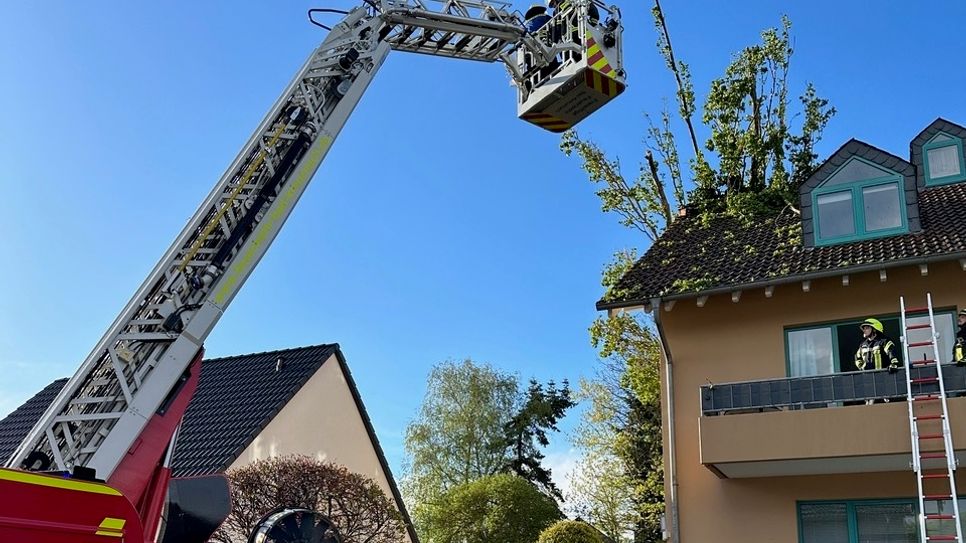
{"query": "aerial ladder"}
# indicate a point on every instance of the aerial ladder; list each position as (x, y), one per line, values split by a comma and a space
(95, 467)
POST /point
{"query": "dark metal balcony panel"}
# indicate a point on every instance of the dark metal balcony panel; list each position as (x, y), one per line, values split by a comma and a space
(779, 393)
(826, 390)
(953, 378)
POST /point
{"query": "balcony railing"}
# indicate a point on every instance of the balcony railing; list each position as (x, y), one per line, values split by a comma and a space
(825, 390)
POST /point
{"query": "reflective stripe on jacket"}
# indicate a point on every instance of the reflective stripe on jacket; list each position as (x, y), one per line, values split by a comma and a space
(959, 349)
(874, 352)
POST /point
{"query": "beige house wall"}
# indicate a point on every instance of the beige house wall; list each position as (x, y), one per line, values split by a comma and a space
(726, 341)
(321, 421)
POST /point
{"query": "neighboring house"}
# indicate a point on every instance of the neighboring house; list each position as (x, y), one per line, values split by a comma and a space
(757, 446)
(256, 406)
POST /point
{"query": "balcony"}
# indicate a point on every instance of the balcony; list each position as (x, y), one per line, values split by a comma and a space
(840, 423)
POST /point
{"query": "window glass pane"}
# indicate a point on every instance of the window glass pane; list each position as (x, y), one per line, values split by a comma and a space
(810, 352)
(886, 523)
(947, 336)
(882, 207)
(835, 216)
(944, 507)
(824, 523)
(943, 161)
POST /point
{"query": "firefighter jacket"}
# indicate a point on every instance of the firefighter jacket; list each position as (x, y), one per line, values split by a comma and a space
(875, 353)
(959, 349)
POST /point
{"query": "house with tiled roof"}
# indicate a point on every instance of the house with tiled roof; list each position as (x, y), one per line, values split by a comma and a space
(770, 432)
(256, 406)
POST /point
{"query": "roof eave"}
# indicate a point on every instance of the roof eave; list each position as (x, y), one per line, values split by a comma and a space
(624, 304)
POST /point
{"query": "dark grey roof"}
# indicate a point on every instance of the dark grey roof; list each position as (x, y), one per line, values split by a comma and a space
(15, 426)
(237, 397)
(692, 258)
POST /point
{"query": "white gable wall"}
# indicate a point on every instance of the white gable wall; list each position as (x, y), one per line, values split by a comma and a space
(321, 421)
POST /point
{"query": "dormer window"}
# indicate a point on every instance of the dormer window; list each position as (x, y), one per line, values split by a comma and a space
(858, 201)
(944, 160)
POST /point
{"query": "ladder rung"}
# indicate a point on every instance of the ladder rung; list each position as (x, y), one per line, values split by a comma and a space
(941, 538)
(935, 476)
(921, 343)
(933, 455)
(923, 363)
(936, 497)
(917, 310)
(925, 398)
(931, 436)
(918, 326)
(928, 417)
(940, 517)
(925, 380)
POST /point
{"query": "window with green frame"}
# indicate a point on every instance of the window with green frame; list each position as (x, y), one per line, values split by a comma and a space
(942, 158)
(870, 521)
(829, 347)
(860, 200)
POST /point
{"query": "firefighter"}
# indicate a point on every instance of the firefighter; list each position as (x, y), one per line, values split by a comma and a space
(959, 349)
(559, 29)
(593, 14)
(876, 349)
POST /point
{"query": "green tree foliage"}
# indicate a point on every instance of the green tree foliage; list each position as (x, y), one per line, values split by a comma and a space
(503, 508)
(747, 114)
(457, 436)
(357, 506)
(526, 433)
(625, 421)
(474, 423)
(755, 158)
(570, 531)
(601, 488)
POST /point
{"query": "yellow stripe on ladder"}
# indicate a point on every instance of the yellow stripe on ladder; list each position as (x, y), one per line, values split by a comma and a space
(196, 246)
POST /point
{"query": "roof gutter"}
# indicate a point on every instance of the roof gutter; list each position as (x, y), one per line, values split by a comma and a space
(601, 306)
(669, 396)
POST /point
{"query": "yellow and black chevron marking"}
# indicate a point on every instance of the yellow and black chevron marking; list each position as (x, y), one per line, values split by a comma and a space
(603, 84)
(596, 58)
(546, 121)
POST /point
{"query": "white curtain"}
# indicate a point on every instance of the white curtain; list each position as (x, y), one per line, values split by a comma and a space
(810, 352)
(943, 161)
(947, 336)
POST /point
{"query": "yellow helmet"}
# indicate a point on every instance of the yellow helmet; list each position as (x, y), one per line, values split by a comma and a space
(874, 323)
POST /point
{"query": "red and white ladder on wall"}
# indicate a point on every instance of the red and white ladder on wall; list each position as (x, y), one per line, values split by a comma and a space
(935, 468)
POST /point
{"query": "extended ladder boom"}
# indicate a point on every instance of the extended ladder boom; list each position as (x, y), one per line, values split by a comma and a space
(138, 363)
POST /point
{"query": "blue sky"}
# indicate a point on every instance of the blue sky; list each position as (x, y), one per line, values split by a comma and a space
(440, 227)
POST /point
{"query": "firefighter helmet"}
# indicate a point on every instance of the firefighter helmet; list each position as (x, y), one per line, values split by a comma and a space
(874, 323)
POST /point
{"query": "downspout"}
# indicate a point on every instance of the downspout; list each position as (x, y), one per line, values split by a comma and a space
(669, 386)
